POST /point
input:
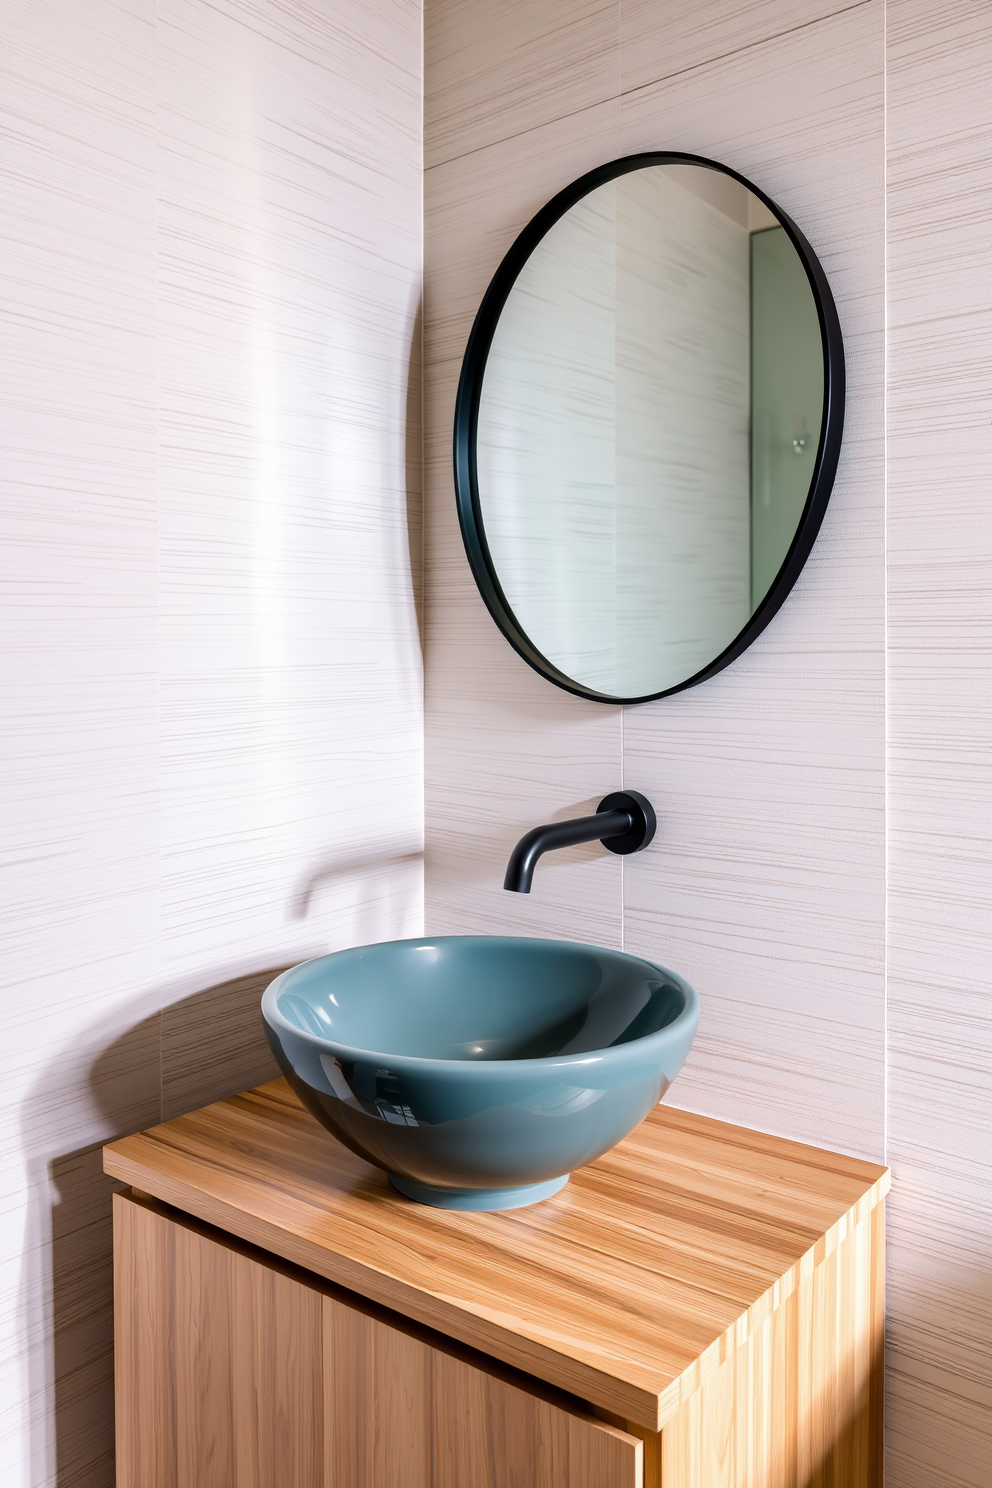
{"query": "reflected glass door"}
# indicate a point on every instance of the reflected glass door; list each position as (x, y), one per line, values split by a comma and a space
(786, 401)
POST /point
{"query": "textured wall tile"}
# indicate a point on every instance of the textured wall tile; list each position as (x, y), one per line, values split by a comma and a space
(506, 749)
(940, 720)
(211, 253)
(291, 675)
(658, 42)
(766, 882)
(79, 686)
(495, 68)
(765, 886)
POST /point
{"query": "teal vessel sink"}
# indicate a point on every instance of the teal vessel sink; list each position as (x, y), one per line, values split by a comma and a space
(478, 1071)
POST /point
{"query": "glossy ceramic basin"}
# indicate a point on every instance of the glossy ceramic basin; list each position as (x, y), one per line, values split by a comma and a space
(478, 1071)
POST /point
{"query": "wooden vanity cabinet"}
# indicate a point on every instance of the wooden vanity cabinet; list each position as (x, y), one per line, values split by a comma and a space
(702, 1307)
(234, 1371)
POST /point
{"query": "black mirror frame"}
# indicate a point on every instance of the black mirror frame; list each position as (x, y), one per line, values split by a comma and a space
(470, 393)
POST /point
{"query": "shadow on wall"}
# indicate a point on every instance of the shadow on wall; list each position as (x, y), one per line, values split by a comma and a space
(190, 1050)
(413, 429)
(198, 1049)
(351, 868)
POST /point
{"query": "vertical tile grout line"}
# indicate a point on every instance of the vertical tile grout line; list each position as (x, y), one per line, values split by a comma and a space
(885, 581)
(623, 876)
(885, 677)
(158, 560)
(620, 76)
(423, 469)
(623, 773)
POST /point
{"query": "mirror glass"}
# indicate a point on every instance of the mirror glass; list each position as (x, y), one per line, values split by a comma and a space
(649, 420)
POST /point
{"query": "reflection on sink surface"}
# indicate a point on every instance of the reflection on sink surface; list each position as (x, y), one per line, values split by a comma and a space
(479, 1070)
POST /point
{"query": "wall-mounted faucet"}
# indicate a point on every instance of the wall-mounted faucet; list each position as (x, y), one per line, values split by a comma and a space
(624, 822)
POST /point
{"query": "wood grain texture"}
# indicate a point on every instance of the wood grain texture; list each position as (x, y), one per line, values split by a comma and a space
(219, 1376)
(793, 1408)
(234, 1370)
(211, 263)
(939, 59)
(800, 1404)
(627, 1289)
(378, 1402)
(403, 1414)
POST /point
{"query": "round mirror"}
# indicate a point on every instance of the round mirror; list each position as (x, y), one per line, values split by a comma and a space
(647, 426)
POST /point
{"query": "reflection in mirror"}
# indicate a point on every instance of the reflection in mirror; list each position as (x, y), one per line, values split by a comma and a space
(648, 426)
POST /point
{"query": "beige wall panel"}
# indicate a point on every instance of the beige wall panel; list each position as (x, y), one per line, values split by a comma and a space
(290, 220)
(498, 68)
(475, 207)
(210, 219)
(940, 708)
(506, 750)
(730, 890)
(765, 883)
(658, 42)
(79, 697)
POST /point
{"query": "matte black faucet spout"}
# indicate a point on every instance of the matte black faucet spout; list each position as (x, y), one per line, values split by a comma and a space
(624, 822)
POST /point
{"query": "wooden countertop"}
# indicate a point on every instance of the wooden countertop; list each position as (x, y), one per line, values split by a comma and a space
(627, 1288)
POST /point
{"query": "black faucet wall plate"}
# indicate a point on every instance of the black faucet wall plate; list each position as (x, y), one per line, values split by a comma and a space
(643, 822)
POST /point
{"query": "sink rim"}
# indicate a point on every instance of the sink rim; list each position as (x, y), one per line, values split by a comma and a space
(480, 1069)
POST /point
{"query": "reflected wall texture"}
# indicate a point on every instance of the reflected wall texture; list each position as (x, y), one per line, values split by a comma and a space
(786, 400)
(649, 424)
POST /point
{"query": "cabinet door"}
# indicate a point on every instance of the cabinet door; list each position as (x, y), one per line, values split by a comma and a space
(218, 1377)
(237, 1372)
(402, 1413)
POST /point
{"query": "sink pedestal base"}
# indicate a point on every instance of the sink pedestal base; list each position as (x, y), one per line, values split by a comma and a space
(477, 1198)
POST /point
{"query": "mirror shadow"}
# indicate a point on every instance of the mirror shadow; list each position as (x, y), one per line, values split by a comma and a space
(414, 445)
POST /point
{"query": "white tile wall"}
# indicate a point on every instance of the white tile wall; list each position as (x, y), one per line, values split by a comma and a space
(940, 726)
(291, 678)
(210, 385)
(501, 67)
(506, 750)
(209, 283)
(767, 883)
(657, 44)
(79, 550)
